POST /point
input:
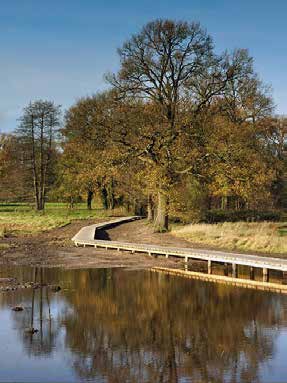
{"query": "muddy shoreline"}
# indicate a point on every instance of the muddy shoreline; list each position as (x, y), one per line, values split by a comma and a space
(54, 248)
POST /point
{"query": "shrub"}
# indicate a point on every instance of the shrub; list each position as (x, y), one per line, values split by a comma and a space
(217, 216)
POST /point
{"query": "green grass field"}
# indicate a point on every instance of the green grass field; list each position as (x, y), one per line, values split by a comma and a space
(265, 237)
(23, 219)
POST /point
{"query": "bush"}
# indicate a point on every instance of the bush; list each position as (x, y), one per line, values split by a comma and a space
(216, 216)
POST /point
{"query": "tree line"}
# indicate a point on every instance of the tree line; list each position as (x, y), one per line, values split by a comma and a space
(181, 130)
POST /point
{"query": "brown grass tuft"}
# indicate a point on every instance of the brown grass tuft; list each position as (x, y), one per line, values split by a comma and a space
(266, 237)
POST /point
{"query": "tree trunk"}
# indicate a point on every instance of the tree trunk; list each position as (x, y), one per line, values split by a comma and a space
(36, 194)
(223, 203)
(42, 181)
(89, 199)
(138, 208)
(150, 209)
(40, 201)
(71, 202)
(161, 220)
(111, 195)
(104, 197)
(34, 167)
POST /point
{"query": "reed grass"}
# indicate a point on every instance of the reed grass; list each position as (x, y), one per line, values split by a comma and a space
(265, 237)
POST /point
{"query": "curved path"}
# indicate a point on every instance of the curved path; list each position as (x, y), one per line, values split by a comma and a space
(89, 233)
(87, 236)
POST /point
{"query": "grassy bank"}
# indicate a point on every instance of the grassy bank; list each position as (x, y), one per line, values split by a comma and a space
(23, 219)
(266, 237)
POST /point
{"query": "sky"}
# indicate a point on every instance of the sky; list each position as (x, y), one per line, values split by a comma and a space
(60, 50)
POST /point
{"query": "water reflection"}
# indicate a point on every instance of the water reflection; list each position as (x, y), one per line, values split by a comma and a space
(134, 326)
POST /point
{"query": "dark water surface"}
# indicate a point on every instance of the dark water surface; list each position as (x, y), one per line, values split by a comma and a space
(115, 325)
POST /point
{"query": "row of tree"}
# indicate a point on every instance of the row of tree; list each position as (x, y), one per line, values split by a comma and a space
(181, 130)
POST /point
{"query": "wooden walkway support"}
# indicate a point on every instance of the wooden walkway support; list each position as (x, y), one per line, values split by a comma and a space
(87, 236)
(272, 287)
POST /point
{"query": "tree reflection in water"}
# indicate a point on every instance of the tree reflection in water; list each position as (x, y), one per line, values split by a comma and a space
(37, 315)
(141, 326)
(138, 326)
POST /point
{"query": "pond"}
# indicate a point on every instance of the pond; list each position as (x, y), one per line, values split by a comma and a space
(116, 325)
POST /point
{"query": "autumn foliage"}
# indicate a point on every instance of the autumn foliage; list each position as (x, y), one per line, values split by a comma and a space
(181, 130)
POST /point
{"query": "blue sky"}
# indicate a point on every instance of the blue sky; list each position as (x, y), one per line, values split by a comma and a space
(60, 49)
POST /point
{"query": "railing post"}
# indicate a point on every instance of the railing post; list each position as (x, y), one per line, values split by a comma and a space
(186, 263)
(209, 267)
(252, 273)
(265, 275)
(234, 270)
(226, 269)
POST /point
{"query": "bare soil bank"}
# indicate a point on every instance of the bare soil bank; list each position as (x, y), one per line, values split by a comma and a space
(55, 249)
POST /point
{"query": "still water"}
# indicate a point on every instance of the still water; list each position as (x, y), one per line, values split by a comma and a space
(115, 325)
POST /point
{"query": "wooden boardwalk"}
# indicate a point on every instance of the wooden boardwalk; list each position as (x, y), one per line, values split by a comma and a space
(87, 236)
